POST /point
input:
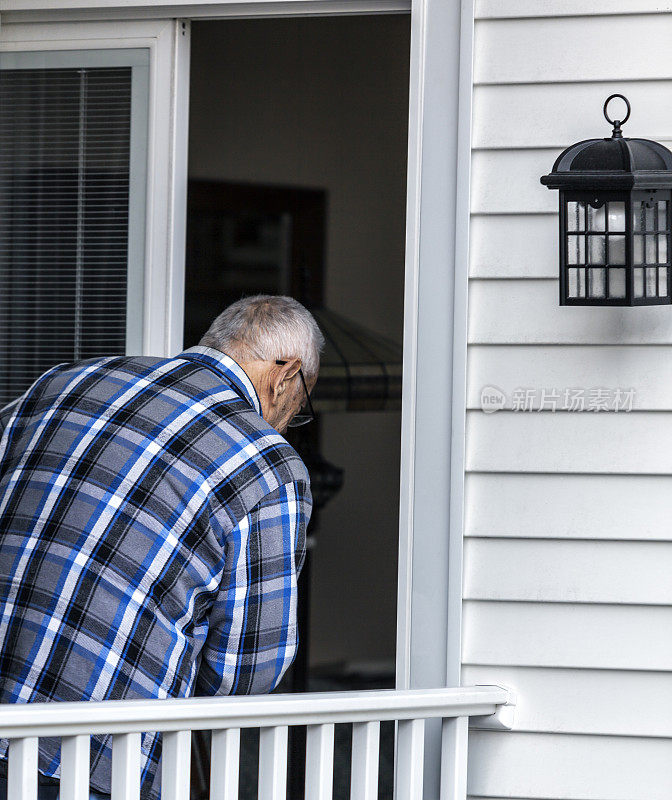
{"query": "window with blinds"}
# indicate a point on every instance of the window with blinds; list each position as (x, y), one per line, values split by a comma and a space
(65, 175)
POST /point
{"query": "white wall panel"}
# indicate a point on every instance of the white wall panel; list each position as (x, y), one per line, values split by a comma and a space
(573, 49)
(557, 114)
(645, 369)
(567, 635)
(583, 700)
(509, 441)
(507, 181)
(527, 312)
(568, 571)
(514, 246)
(570, 506)
(550, 766)
(568, 550)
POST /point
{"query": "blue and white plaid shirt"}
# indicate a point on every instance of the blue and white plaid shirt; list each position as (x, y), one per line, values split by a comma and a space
(152, 528)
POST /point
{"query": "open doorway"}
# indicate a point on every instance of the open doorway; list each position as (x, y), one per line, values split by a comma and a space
(297, 184)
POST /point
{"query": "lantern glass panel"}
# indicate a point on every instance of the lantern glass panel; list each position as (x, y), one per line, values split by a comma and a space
(576, 216)
(576, 249)
(597, 218)
(576, 282)
(662, 249)
(617, 217)
(650, 253)
(597, 250)
(617, 249)
(619, 252)
(651, 287)
(662, 215)
(617, 283)
(596, 282)
(662, 281)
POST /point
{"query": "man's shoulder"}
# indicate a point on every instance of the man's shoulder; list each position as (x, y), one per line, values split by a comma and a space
(268, 448)
(262, 463)
(131, 366)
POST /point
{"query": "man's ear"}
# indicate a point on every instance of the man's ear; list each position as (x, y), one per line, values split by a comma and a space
(282, 374)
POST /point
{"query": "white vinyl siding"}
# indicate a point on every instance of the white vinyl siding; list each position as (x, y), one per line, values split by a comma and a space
(569, 767)
(568, 515)
(534, 506)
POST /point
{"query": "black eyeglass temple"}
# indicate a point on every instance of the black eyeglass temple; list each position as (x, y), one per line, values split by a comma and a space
(305, 387)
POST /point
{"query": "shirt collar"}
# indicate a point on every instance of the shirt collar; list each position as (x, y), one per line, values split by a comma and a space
(228, 369)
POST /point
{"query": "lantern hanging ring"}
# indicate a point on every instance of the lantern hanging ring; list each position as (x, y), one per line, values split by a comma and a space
(616, 122)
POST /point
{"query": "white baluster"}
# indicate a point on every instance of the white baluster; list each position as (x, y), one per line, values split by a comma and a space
(410, 758)
(75, 767)
(176, 765)
(364, 772)
(454, 738)
(224, 764)
(319, 762)
(126, 766)
(22, 777)
(273, 763)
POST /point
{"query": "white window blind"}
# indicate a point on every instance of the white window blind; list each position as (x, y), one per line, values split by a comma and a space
(65, 178)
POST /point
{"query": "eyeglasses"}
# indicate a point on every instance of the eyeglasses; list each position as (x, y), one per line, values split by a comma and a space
(302, 417)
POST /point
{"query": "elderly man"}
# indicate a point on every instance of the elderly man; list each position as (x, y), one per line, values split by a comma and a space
(152, 524)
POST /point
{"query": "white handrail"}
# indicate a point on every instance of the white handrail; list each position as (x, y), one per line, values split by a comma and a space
(176, 718)
(215, 713)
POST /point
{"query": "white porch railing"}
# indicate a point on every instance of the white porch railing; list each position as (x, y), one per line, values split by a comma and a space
(225, 716)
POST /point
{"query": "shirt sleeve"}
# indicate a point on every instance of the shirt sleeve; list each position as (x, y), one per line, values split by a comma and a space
(252, 637)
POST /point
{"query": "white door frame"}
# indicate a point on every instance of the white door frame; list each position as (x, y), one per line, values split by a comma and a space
(437, 242)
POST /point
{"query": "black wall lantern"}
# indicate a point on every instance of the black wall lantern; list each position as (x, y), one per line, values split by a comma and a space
(615, 219)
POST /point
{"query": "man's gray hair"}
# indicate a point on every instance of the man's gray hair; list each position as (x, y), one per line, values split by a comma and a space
(268, 327)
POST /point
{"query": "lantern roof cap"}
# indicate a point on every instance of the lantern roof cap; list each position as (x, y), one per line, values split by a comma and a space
(615, 163)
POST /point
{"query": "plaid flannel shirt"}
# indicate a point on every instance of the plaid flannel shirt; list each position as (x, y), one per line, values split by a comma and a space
(152, 528)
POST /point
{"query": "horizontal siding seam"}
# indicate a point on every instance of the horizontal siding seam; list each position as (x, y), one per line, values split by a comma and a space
(635, 412)
(547, 602)
(512, 278)
(551, 214)
(506, 412)
(587, 343)
(577, 81)
(579, 603)
(600, 734)
(544, 539)
(517, 537)
(575, 667)
(636, 670)
(547, 148)
(577, 473)
(574, 15)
